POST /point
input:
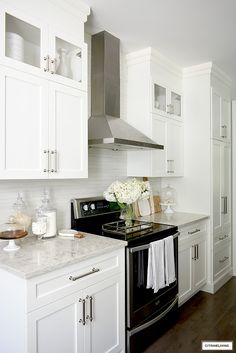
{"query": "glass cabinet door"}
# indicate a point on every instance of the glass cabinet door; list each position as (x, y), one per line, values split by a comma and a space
(176, 104)
(23, 42)
(68, 60)
(159, 97)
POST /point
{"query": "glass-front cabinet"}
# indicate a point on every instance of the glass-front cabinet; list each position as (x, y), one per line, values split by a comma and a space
(38, 49)
(166, 101)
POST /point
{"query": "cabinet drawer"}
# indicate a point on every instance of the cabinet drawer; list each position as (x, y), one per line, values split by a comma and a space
(222, 260)
(55, 285)
(223, 237)
(192, 229)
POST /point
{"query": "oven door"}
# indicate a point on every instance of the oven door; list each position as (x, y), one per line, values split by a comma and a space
(142, 303)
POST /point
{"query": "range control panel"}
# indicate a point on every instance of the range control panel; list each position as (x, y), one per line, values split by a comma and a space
(92, 207)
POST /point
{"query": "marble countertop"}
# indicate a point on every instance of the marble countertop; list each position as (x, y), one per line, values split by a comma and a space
(37, 257)
(177, 218)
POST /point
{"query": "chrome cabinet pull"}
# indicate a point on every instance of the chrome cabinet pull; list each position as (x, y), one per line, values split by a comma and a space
(197, 246)
(90, 316)
(224, 259)
(46, 59)
(54, 157)
(94, 270)
(53, 66)
(170, 167)
(82, 321)
(46, 161)
(224, 131)
(225, 204)
(195, 253)
(194, 231)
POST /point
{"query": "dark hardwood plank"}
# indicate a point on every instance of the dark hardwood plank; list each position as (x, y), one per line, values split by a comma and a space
(204, 317)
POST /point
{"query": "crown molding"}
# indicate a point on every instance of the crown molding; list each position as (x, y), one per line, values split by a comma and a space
(74, 7)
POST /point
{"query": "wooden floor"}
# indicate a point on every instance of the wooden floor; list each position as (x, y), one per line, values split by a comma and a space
(204, 317)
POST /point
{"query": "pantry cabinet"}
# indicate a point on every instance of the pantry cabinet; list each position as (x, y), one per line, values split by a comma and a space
(192, 260)
(43, 98)
(155, 109)
(78, 308)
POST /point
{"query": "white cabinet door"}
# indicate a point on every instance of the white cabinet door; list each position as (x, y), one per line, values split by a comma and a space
(226, 184)
(217, 169)
(55, 328)
(185, 271)
(220, 117)
(159, 135)
(105, 312)
(199, 267)
(24, 42)
(23, 125)
(175, 148)
(68, 132)
(68, 59)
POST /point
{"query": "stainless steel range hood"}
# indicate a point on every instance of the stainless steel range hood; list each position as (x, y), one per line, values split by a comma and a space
(105, 128)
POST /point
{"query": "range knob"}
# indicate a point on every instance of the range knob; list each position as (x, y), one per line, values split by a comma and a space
(92, 206)
(85, 207)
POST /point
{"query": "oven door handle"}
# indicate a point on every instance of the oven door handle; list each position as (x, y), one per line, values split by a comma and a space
(146, 246)
(153, 321)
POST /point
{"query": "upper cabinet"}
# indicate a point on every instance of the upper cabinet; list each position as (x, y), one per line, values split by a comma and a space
(42, 49)
(154, 106)
(43, 95)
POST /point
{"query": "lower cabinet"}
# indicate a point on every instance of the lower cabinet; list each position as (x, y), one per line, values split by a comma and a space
(192, 261)
(79, 308)
(87, 321)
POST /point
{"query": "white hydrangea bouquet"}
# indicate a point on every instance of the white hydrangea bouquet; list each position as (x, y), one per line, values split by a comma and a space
(127, 192)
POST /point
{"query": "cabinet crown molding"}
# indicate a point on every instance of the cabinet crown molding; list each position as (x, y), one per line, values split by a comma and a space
(74, 7)
(151, 55)
(208, 68)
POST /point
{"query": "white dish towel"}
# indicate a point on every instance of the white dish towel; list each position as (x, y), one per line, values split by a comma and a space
(156, 266)
(170, 276)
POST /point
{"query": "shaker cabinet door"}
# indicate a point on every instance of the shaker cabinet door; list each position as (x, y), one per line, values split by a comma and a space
(68, 141)
(55, 328)
(23, 125)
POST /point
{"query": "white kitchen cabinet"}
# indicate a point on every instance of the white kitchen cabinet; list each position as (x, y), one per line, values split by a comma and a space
(155, 109)
(56, 314)
(86, 321)
(43, 128)
(43, 103)
(37, 47)
(192, 260)
(221, 116)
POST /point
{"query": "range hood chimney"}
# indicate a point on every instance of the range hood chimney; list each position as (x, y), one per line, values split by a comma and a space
(105, 128)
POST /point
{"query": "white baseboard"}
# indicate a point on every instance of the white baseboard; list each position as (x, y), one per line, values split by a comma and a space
(214, 287)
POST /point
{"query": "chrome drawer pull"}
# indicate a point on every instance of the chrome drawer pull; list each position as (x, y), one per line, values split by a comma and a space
(82, 321)
(224, 259)
(94, 270)
(224, 237)
(194, 231)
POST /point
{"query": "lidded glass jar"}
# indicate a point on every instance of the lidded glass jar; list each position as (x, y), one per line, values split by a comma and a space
(21, 215)
(12, 230)
(168, 198)
(49, 212)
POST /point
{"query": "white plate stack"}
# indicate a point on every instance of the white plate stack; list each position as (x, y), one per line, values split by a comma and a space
(14, 46)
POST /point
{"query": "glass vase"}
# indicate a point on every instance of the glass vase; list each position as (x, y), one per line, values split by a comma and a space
(127, 214)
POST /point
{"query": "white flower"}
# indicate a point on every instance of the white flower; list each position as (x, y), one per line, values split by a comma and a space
(127, 192)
